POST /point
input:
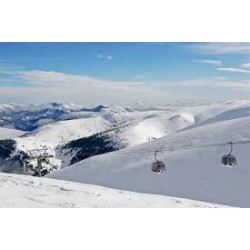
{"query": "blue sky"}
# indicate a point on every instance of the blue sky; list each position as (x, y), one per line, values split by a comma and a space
(123, 73)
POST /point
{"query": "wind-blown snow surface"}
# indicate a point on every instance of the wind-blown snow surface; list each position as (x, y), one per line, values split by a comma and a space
(6, 133)
(26, 191)
(193, 174)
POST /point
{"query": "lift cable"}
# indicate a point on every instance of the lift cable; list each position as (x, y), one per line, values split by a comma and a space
(162, 149)
(169, 149)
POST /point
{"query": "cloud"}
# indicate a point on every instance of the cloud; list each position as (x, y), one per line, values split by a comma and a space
(245, 65)
(234, 70)
(57, 79)
(221, 48)
(211, 62)
(49, 86)
(216, 82)
(205, 81)
(103, 57)
(36, 86)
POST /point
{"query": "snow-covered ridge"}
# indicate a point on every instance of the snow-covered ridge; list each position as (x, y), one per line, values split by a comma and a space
(194, 174)
(62, 132)
(6, 133)
(55, 125)
(25, 191)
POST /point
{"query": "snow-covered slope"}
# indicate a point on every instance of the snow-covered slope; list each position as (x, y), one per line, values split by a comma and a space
(26, 191)
(140, 125)
(79, 130)
(62, 132)
(194, 174)
(6, 133)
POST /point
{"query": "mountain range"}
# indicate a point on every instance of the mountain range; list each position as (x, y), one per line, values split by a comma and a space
(115, 146)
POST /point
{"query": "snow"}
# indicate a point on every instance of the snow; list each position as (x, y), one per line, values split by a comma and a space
(154, 125)
(135, 127)
(64, 131)
(194, 174)
(7, 133)
(29, 144)
(25, 191)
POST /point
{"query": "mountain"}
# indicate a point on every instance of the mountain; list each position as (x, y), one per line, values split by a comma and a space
(30, 117)
(194, 174)
(78, 133)
(25, 191)
(62, 132)
(115, 146)
(7, 133)
(53, 126)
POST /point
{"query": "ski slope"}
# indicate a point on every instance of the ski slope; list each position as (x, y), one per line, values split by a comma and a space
(25, 191)
(192, 174)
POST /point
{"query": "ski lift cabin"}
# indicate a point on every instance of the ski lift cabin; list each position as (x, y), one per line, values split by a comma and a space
(158, 166)
(229, 160)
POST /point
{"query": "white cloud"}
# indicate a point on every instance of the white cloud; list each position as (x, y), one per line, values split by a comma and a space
(205, 81)
(58, 79)
(50, 86)
(221, 48)
(47, 86)
(218, 82)
(234, 70)
(211, 62)
(245, 65)
(103, 57)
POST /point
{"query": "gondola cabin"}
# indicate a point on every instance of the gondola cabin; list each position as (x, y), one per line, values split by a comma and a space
(158, 167)
(229, 161)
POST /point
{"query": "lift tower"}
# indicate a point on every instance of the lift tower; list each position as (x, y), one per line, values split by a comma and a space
(40, 155)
